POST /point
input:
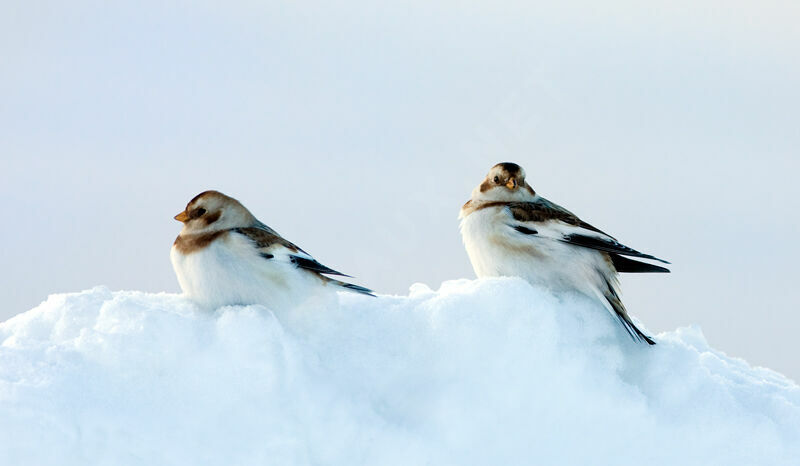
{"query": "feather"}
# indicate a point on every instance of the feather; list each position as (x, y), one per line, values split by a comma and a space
(607, 245)
(625, 265)
(314, 266)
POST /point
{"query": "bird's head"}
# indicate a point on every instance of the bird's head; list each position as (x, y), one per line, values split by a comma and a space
(212, 211)
(504, 182)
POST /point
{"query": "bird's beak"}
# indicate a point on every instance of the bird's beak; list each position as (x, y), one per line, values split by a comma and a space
(182, 217)
(512, 183)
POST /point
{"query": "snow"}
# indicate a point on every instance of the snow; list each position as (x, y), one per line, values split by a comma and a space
(491, 371)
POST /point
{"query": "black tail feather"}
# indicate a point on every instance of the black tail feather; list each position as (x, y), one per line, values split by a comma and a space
(356, 288)
(633, 330)
(619, 310)
(623, 264)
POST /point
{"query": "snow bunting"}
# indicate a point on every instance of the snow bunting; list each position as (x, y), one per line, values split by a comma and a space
(225, 256)
(509, 230)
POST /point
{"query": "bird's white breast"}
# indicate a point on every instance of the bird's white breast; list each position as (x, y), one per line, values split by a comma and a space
(496, 249)
(230, 271)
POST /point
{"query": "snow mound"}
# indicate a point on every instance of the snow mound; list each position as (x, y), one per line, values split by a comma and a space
(479, 372)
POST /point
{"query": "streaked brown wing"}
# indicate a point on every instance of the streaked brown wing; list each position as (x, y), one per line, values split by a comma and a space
(543, 211)
(268, 242)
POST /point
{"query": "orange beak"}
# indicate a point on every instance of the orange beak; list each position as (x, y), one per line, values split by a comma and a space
(512, 183)
(182, 217)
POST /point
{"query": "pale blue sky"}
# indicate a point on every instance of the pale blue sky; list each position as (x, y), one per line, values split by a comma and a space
(358, 130)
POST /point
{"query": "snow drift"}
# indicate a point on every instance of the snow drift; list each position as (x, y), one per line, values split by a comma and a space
(479, 372)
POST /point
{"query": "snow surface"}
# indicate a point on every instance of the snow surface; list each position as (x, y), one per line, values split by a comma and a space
(490, 372)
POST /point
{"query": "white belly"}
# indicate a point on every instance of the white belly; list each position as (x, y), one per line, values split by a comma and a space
(496, 249)
(230, 272)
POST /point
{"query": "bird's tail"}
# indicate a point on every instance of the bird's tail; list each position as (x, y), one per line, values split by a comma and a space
(350, 287)
(613, 299)
(624, 264)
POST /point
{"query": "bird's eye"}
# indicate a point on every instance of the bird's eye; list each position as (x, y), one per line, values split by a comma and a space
(497, 179)
(197, 213)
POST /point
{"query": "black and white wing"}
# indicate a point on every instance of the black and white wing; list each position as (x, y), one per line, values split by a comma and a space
(546, 219)
(271, 246)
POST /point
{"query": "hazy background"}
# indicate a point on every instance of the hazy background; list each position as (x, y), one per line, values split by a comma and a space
(358, 130)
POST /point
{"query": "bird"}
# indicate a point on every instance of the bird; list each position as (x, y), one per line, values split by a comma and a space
(508, 229)
(225, 256)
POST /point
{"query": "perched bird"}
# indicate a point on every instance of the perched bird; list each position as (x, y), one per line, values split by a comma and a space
(509, 230)
(224, 255)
